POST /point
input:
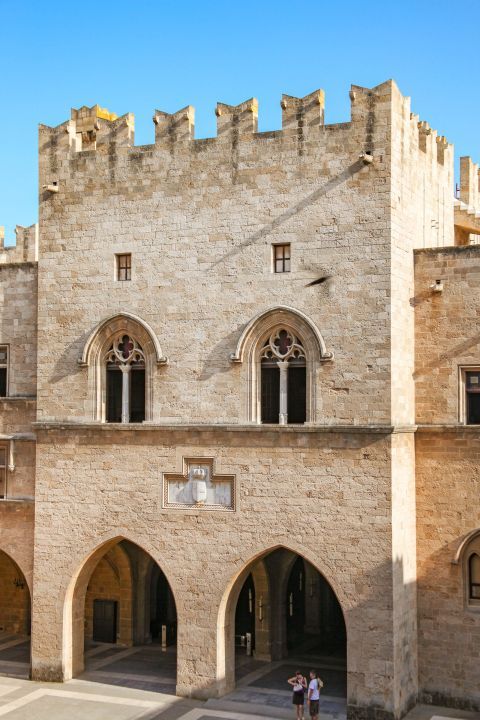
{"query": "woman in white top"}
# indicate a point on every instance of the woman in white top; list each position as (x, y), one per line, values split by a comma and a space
(314, 687)
(299, 685)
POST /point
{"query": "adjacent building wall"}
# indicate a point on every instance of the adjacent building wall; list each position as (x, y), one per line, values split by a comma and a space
(448, 479)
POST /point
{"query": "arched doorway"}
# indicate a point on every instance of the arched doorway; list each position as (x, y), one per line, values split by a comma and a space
(285, 600)
(15, 612)
(124, 620)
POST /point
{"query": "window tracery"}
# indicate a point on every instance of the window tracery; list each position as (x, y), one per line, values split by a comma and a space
(125, 367)
(283, 378)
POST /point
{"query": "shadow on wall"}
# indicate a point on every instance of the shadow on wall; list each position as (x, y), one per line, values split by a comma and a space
(295, 210)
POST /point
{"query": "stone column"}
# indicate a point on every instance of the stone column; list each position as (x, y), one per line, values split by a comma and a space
(262, 613)
(283, 416)
(125, 393)
(140, 633)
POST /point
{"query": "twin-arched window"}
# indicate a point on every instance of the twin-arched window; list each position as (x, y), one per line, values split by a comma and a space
(282, 346)
(283, 378)
(125, 380)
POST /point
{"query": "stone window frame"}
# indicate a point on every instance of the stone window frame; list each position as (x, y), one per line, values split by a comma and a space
(469, 546)
(127, 268)
(4, 450)
(6, 365)
(283, 259)
(94, 358)
(252, 341)
(462, 391)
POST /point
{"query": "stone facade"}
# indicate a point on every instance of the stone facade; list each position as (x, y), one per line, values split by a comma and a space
(376, 491)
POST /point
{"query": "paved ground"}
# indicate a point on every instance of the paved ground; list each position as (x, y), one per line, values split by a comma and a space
(139, 683)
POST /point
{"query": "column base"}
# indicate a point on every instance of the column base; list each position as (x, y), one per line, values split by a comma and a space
(47, 672)
(216, 689)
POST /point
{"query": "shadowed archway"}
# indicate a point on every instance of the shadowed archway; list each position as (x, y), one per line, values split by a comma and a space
(15, 619)
(123, 619)
(283, 600)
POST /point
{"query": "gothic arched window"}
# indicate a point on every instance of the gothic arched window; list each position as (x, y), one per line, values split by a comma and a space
(283, 379)
(125, 381)
(474, 577)
(122, 353)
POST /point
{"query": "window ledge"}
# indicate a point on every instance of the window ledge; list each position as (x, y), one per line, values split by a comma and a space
(18, 398)
(225, 427)
(448, 427)
(17, 500)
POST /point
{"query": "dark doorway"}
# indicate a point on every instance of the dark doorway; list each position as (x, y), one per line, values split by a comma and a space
(163, 612)
(105, 621)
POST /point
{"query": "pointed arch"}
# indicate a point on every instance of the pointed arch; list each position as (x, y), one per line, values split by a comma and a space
(277, 315)
(293, 323)
(227, 605)
(93, 357)
(116, 323)
(75, 595)
(464, 543)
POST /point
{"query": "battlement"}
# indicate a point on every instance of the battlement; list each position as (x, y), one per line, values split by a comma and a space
(25, 249)
(366, 134)
(469, 183)
(94, 128)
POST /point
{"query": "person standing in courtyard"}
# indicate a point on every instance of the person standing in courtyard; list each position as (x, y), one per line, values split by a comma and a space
(314, 687)
(299, 685)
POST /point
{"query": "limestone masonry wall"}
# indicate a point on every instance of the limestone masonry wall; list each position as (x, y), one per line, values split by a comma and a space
(375, 504)
(446, 335)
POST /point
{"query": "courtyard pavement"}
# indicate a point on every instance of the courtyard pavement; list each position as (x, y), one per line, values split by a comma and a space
(139, 683)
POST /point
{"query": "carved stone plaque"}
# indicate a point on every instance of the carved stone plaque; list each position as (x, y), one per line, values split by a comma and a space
(198, 487)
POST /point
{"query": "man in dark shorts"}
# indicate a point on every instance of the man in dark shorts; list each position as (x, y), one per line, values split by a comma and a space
(314, 694)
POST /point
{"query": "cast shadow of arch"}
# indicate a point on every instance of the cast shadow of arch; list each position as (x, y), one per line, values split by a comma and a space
(218, 359)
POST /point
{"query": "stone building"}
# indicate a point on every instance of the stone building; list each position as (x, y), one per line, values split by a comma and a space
(239, 383)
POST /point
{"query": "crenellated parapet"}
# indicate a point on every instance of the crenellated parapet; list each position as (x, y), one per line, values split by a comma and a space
(95, 128)
(25, 248)
(467, 205)
(300, 114)
(173, 128)
(435, 146)
(88, 129)
(94, 136)
(469, 182)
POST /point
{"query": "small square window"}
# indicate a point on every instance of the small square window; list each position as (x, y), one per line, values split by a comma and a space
(3, 370)
(281, 258)
(124, 267)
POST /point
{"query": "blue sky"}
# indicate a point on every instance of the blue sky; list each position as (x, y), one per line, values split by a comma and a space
(137, 56)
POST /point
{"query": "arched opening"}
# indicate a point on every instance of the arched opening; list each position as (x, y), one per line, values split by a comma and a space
(282, 351)
(283, 379)
(124, 620)
(285, 616)
(15, 614)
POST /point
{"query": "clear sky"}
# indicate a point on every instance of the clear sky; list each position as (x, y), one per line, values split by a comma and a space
(140, 55)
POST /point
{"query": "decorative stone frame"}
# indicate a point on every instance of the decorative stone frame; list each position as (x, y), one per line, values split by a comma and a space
(252, 340)
(93, 357)
(468, 546)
